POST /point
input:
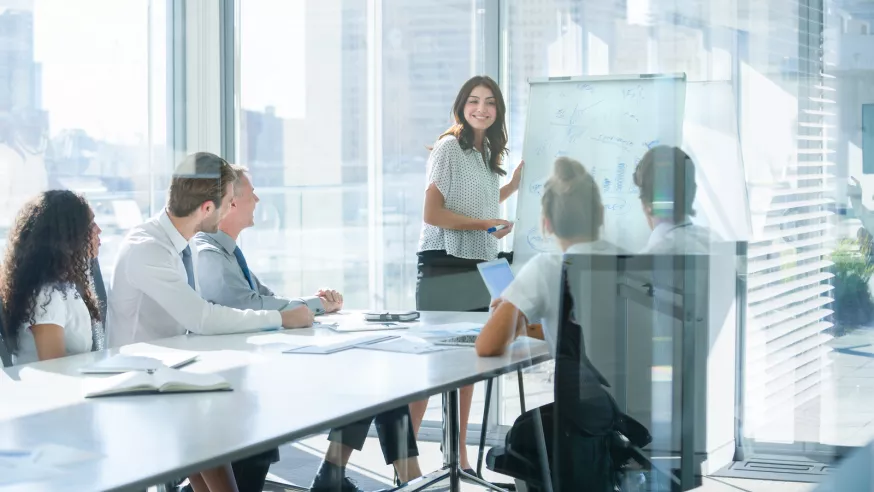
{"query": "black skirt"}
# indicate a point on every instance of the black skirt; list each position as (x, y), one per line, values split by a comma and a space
(449, 283)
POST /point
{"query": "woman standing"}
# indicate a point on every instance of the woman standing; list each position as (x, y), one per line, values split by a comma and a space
(462, 205)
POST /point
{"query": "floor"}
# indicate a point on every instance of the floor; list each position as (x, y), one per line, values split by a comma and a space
(370, 472)
(738, 485)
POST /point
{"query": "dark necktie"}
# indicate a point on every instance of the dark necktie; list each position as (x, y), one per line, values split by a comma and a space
(189, 268)
(245, 267)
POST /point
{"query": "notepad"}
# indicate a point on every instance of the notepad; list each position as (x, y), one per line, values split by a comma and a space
(163, 380)
(143, 361)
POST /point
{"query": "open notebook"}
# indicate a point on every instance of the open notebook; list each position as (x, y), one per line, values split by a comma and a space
(163, 380)
(145, 361)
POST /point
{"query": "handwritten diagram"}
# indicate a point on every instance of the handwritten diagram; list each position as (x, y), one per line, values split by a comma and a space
(607, 125)
(615, 205)
(539, 242)
(620, 177)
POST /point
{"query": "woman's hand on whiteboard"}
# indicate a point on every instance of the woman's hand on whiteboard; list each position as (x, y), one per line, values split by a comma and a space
(516, 180)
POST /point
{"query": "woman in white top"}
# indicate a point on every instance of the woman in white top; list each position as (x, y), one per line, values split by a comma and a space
(462, 203)
(48, 296)
(573, 212)
(46, 285)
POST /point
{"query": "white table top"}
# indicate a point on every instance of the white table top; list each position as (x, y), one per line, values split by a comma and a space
(144, 440)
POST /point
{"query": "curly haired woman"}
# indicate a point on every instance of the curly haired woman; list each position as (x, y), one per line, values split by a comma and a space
(46, 285)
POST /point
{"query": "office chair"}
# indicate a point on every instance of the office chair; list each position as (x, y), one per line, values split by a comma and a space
(484, 428)
(99, 333)
(99, 286)
(590, 440)
(5, 356)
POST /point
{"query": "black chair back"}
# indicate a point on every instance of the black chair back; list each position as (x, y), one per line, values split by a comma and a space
(5, 356)
(99, 330)
(99, 287)
(585, 414)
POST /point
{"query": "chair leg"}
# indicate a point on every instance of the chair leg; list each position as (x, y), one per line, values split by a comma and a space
(482, 434)
(521, 390)
(484, 428)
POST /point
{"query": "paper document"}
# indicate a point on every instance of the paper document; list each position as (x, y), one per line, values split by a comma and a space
(144, 361)
(19, 466)
(343, 343)
(450, 330)
(280, 341)
(365, 327)
(408, 345)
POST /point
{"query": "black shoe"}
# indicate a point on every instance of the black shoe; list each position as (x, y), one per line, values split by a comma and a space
(332, 478)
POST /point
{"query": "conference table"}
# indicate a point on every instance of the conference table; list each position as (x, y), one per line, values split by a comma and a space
(138, 441)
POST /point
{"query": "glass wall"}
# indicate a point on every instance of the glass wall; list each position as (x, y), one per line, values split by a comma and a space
(784, 81)
(337, 134)
(564, 38)
(83, 107)
(836, 120)
(337, 138)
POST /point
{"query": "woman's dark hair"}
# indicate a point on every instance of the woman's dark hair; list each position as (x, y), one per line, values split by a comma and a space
(49, 244)
(666, 178)
(496, 136)
(572, 202)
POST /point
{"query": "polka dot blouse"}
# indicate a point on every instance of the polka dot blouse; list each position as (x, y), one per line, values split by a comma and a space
(469, 188)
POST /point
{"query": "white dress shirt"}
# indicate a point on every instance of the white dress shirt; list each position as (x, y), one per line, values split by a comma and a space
(684, 238)
(536, 290)
(151, 298)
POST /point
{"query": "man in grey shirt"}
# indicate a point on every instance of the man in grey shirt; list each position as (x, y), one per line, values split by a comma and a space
(224, 275)
(225, 279)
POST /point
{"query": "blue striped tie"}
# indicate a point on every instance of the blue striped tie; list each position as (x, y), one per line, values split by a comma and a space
(245, 267)
(189, 267)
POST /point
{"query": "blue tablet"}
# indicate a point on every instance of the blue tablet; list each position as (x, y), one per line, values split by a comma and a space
(497, 276)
